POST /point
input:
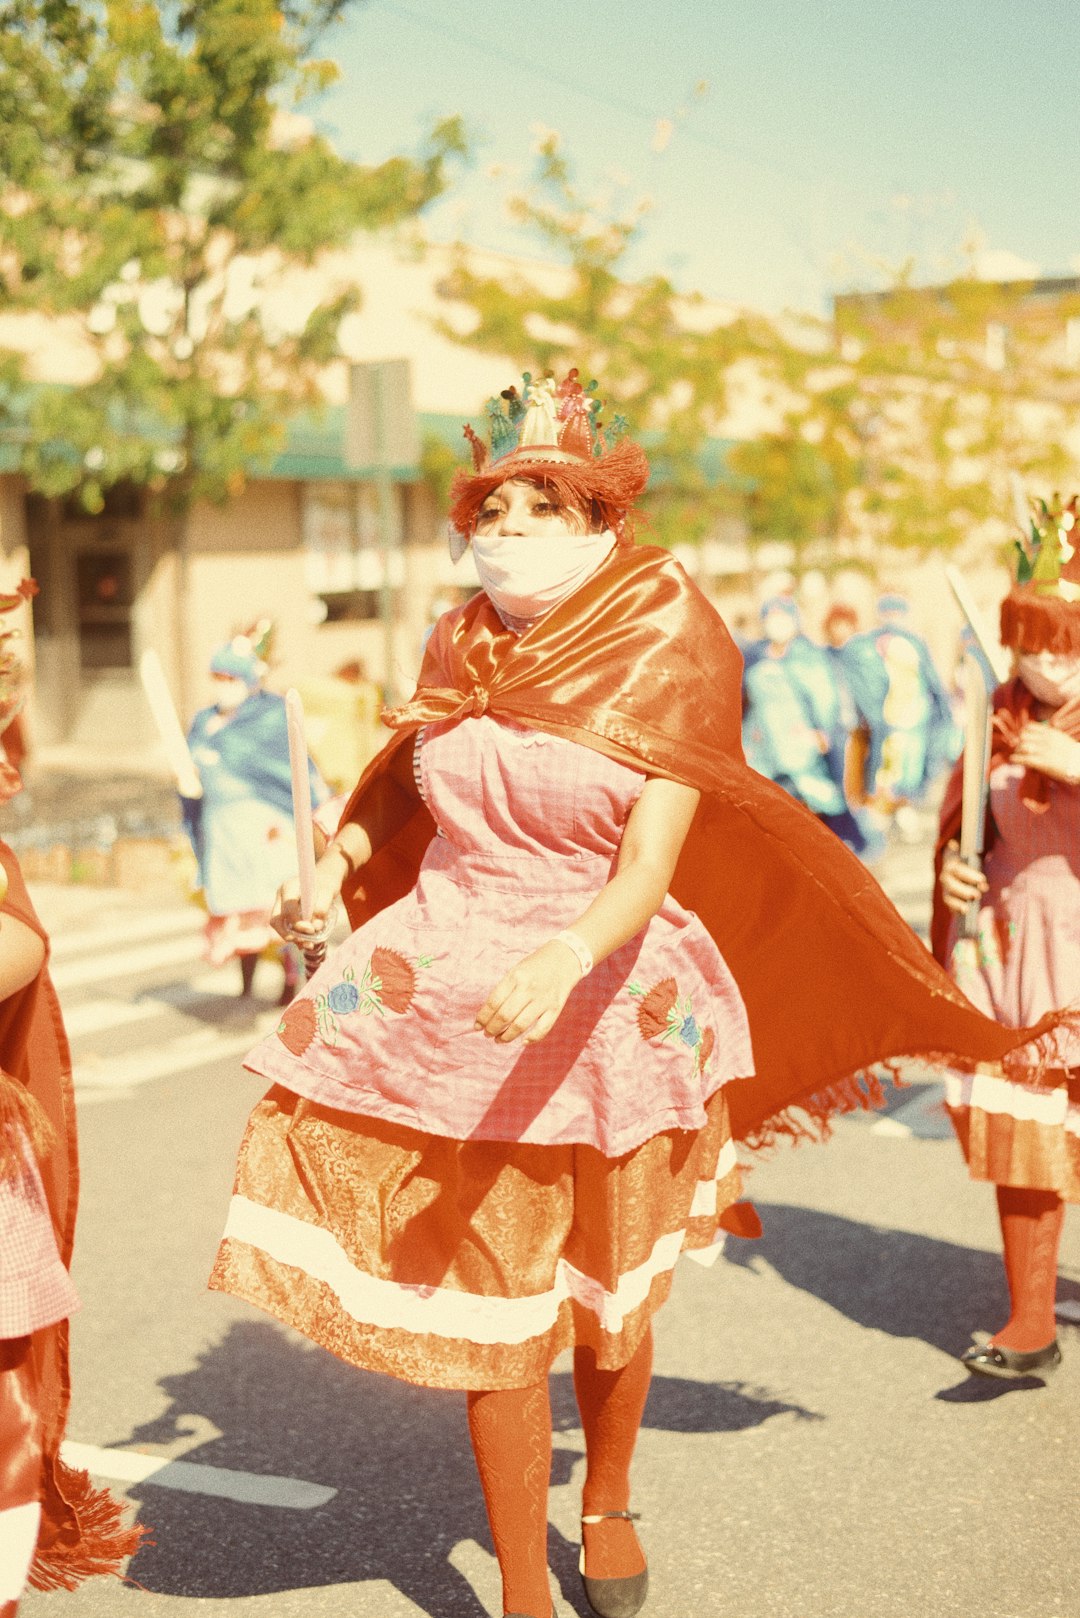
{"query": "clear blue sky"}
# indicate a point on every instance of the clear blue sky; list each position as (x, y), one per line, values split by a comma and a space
(831, 132)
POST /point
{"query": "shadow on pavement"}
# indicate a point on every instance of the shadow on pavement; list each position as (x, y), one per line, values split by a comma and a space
(891, 1280)
(979, 1390)
(398, 1456)
(677, 1405)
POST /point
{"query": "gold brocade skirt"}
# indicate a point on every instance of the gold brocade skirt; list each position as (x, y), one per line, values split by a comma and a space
(465, 1264)
(1024, 1135)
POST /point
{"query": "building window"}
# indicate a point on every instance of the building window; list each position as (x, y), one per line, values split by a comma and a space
(103, 587)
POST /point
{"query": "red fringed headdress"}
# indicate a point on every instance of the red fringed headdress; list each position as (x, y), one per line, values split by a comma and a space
(551, 435)
(1041, 613)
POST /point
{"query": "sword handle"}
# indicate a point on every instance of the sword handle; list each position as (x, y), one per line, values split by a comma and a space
(969, 921)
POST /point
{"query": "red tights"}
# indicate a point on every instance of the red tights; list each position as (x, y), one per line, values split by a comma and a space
(511, 1437)
(1031, 1231)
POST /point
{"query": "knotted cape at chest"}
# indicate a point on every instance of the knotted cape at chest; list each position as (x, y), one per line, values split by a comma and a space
(638, 665)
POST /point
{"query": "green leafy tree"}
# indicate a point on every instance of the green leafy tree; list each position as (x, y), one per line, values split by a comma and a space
(954, 390)
(156, 185)
(895, 426)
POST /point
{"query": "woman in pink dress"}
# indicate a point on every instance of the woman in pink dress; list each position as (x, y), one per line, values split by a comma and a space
(1024, 1137)
(527, 1055)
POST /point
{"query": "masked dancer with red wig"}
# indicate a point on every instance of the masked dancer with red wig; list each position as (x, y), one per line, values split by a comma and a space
(1023, 1134)
(591, 950)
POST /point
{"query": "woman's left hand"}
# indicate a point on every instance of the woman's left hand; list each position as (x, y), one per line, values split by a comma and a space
(1041, 747)
(528, 1000)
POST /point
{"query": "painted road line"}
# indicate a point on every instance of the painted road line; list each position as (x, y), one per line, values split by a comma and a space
(196, 1049)
(252, 1488)
(99, 1016)
(136, 929)
(103, 967)
(87, 1017)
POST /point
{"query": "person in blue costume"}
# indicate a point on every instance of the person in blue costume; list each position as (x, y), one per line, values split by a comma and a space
(904, 706)
(242, 827)
(793, 730)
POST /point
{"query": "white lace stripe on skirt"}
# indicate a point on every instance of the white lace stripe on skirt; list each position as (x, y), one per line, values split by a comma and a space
(19, 1527)
(1034, 1103)
(446, 1311)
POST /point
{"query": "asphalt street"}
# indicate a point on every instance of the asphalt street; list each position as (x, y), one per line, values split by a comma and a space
(811, 1447)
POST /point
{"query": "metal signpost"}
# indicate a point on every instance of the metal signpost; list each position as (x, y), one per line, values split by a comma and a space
(382, 438)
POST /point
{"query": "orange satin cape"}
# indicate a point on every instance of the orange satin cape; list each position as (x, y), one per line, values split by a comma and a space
(81, 1528)
(638, 665)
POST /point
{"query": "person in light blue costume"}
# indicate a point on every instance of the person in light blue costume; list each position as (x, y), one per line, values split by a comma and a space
(242, 828)
(793, 729)
(904, 706)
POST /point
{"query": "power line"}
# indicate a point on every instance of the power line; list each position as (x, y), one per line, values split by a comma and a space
(634, 109)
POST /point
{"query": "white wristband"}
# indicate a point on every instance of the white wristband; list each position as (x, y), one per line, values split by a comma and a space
(577, 944)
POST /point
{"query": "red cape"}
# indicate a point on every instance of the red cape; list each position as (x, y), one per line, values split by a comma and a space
(638, 665)
(81, 1531)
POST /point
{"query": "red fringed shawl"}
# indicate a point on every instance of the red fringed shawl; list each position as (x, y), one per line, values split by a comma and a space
(81, 1528)
(638, 665)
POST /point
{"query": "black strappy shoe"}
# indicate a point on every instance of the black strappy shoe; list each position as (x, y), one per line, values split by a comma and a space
(991, 1359)
(614, 1598)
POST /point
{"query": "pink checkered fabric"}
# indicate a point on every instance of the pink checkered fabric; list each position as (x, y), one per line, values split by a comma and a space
(529, 830)
(35, 1288)
(1027, 955)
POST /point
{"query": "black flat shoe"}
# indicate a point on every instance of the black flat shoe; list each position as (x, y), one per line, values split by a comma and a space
(614, 1598)
(992, 1360)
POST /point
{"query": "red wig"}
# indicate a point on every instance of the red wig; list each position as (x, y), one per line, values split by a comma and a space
(605, 487)
(1033, 621)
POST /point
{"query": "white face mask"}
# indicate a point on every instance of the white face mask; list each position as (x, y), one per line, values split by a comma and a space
(780, 628)
(229, 694)
(528, 574)
(1053, 677)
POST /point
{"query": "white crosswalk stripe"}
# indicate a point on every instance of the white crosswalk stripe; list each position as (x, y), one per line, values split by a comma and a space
(178, 1055)
(100, 966)
(141, 1005)
(252, 1488)
(174, 921)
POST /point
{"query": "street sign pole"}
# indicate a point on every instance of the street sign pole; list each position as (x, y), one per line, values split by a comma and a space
(387, 526)
(381, 438)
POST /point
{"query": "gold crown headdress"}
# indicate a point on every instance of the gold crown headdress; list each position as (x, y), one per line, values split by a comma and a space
(545, 415)
(1048, 561)
(552, 433)
(1042, 610)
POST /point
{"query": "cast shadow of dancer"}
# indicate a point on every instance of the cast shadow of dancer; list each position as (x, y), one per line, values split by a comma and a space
(398, 1456)
(675, 1405)
(893, 1281)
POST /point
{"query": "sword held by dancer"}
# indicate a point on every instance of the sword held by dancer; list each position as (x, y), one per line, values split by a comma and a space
(314, 952)
(984, 669)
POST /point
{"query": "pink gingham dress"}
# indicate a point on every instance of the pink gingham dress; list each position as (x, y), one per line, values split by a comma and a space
(1027, 959)
(35, 1288)
(529, 827)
